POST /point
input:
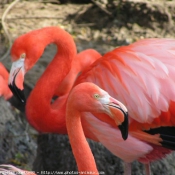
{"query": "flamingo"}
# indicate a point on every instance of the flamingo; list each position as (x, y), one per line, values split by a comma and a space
(4, 89)
(140, 75)
(87, 97)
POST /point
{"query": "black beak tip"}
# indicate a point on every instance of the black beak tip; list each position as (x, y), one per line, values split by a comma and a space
(124, 127)
(18, 93)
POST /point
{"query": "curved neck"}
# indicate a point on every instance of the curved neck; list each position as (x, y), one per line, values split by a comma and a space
(70, 78)
(40, 113)
(80, 147)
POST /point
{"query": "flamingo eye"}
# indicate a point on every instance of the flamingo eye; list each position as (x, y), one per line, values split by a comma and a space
(23, 56)
(96, 96)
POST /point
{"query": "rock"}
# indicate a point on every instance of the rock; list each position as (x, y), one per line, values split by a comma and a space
(17, 146)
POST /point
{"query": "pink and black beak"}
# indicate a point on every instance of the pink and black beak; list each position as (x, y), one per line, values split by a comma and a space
(16, 79)
(119, 113)
(124, 126)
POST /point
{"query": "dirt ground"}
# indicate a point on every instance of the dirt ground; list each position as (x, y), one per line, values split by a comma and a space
(91, 27)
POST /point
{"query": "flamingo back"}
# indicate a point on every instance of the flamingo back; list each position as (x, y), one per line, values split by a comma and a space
(141, 76)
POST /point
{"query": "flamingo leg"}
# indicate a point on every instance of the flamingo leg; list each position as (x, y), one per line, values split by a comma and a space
(127, 168)
(147, 169)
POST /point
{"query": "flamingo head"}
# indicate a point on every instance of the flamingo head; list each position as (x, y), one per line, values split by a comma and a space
(88, 97)
(25, 52)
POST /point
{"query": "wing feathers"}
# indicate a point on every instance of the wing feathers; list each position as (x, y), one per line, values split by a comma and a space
(141, 75)
(167, 134)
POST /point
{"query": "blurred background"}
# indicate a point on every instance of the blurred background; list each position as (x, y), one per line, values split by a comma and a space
(99, 24)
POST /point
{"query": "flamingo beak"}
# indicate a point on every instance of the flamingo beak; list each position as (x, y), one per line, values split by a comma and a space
(16, 79)
(120, 115)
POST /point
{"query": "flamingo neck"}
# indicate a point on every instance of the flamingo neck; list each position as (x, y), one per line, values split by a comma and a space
(81, 150)
(40, 112)
(70, 78)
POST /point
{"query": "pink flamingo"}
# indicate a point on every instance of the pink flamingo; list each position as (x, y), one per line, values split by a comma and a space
(140, 75)
(4, 89)
(87, 97)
